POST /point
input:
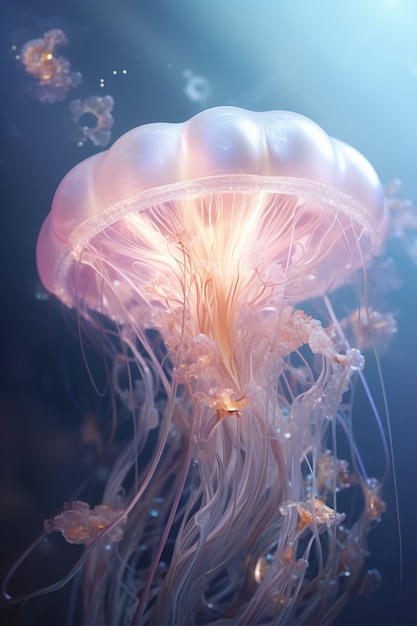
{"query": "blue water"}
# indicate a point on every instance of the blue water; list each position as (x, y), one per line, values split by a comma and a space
(351, 67)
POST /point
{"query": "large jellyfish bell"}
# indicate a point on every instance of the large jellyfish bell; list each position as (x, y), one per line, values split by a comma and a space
(212, 232)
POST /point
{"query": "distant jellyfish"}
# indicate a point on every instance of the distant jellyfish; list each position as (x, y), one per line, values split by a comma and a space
(371, 582)
(197, 88)
(403, 219)
(53, 76)
(80, 525)
(370, 328)
(92, 119)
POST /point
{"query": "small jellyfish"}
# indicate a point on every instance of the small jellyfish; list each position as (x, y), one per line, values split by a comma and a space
(92, 119)
(331, 474)
(371, 328)
(197, 88)
(53, 75)
(80, 525)
(370, 583)
(403, 218)
(313, 512)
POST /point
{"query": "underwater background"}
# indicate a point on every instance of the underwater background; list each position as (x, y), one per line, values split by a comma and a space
(350, 66)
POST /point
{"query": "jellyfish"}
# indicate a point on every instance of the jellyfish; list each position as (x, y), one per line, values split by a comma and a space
(197, 88)
(371, 328)
(403, 219)
(99, 108)
(53, 74)
(207, 254)
(79, 524)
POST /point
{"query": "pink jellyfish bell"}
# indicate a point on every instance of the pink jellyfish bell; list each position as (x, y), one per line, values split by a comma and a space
(211, 232)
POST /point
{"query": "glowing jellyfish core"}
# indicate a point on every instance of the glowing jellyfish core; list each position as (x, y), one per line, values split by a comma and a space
(211, 231)
(53, 74)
